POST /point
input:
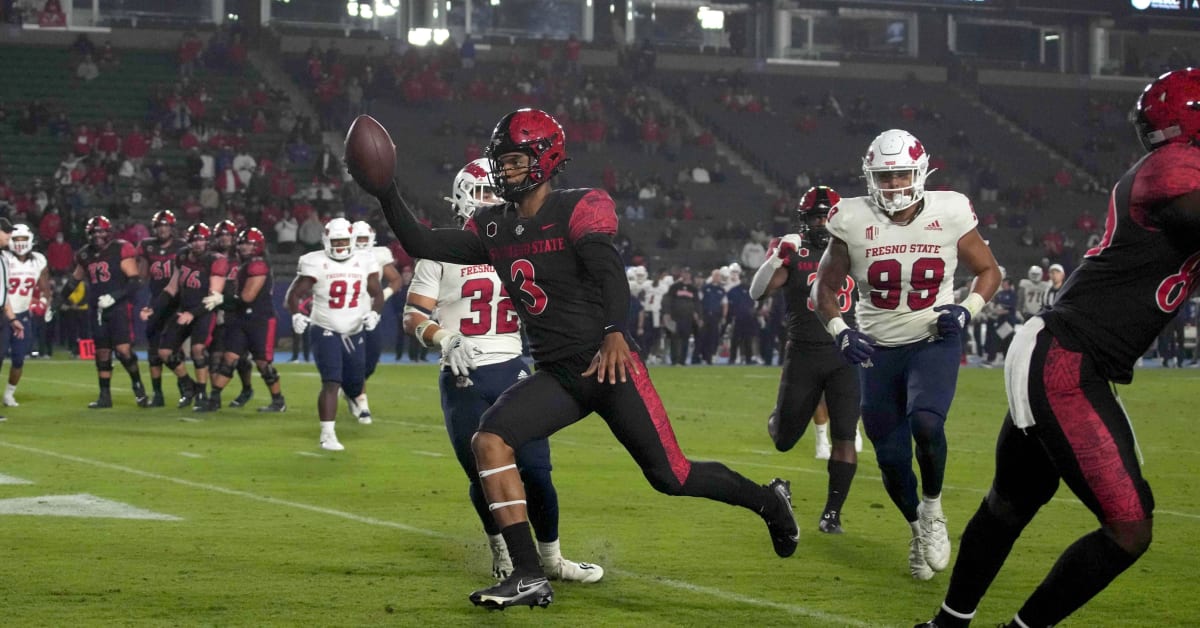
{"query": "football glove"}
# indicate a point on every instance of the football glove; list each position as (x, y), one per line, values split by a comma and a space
(49, 311)
(789, 245)
(953, 319)
(855, 345)
(371, 320)
(459, 353)
(213, 301)
(299, 323)
(105, 301)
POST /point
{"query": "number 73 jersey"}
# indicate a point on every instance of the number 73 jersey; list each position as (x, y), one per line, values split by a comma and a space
(902, 271)
(472, 301)
(340, 297)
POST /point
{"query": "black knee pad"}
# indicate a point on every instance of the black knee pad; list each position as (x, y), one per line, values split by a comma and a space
(128, 361)
(104, 366)
(224, 370)
(174, 361)
(200, 362)
(269, 374)
(244, 364)
(154, 360)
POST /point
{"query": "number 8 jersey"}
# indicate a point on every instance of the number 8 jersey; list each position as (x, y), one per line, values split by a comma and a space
(902, 271)
(472, 301)
(340, 298)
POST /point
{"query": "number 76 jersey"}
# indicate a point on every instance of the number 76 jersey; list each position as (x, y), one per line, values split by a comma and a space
(472, 301)
(902, 271)
(340, 297)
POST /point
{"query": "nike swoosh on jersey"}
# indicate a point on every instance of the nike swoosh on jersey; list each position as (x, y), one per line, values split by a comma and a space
(551, 225)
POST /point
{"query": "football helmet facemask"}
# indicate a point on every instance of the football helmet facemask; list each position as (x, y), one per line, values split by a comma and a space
(536, 134)
(895, 151)
(251, 241)
(812, 212)
(21, 240)
(338, 239)
(472, 189)
(1168, 110)
(364, 235)
(198, 236)
(98, 230)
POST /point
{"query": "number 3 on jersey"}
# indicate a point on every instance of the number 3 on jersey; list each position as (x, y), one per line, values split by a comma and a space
(522, 275)
(845, 295)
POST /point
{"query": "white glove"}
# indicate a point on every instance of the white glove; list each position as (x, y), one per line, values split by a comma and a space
(213, 301)
(459, 353)
(105, 301)
(299, 322)
(49, 311)
(371, 320)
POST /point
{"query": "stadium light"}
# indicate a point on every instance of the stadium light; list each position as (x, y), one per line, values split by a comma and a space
(710, 19)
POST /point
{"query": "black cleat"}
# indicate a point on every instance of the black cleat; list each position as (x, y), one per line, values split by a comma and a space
(830, 523)
(187, 394)
(103, 401)
(212, 404)
(201, 402)
(276, 406)
(157, 401)
(515, 591)
(139, 393)
(781, 522)
(243, 398)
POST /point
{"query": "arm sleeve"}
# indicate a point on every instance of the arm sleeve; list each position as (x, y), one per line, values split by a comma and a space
(602, 261)
(762, 279)
(459, 246)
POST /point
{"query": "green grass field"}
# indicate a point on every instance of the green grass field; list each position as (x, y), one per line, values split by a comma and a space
(270, 530)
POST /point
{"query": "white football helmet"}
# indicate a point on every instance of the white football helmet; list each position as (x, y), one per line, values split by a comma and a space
(896, 150)
(1035, 273)
(338, 239)
(364, 235)
(21, 241)
(640, 273)
(473, 189)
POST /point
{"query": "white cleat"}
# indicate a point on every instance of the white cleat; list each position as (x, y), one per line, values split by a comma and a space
(571, 571)
(330, 443)
(934, 538)
(364, 418)
(916, 560)
(10, 401)
(824, 449)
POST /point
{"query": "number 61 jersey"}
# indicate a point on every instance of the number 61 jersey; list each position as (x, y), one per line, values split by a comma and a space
(472, 301)
(902, 271)
(340, 297)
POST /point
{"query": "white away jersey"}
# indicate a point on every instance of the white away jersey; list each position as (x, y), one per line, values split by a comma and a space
(902, 271)
(383, 257)
(340, 297)
(1033, 296)
(472, 301)
(23, 279)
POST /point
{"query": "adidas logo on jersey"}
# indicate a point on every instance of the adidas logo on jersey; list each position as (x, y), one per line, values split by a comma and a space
(933, 226)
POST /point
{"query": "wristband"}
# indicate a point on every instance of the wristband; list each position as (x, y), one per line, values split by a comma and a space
(438, 337)
(419, 331)
(836, 326)
(387, 293)
(973, 303)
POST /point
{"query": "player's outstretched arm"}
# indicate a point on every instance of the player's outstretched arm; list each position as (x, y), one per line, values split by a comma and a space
(460, 246)
(772, 274)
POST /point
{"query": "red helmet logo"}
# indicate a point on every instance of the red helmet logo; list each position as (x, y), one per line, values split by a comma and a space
(916, 150)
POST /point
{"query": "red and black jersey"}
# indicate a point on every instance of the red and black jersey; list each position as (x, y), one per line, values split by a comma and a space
(262, 307)
(802, 323)
(541, 268)
(160, 261)
(194, 274)
(102, 268)
(1133, 283)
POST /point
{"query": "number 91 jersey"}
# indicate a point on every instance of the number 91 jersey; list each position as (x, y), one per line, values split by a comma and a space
(902, 271)
(340, 297)
(472, 301)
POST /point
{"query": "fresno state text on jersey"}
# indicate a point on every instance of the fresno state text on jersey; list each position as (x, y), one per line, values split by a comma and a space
(340, 297)
(472, 301)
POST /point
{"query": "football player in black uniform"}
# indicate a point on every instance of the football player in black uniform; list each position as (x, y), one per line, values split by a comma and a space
(110, 268)
(1064, 423)
(553, 251)
(156, 263)
(814, 372)
(225, 235)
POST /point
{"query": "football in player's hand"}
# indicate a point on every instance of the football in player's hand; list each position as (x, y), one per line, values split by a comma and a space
(370, 155)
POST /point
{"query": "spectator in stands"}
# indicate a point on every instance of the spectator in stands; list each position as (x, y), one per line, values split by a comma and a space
(108, 143)
(1027, 237)
(753, 255)
(650, 134)
(108, 56)
(1085, 222)
(84, 141)
(210, 198)
(1053, 243)
(135, 145)
(190, 49)
(668, 240)
(244, 165)
(87, 70)
(82, 45)
(703, 240)
(52, 15)
(59, 255)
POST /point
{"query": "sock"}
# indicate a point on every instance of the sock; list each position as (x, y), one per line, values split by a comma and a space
(985, 544)
(105, 383)
(327, 428)
(932, 505)
(822, 433)
(361, 400)
(950, 618)
(549, 551)
(1084, 570)
(216, 390)
(10, 390)
(156, 384)
(840, 475)
(521, 550)
(277, 397)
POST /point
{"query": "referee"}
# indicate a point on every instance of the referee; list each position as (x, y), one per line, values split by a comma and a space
(6, 229)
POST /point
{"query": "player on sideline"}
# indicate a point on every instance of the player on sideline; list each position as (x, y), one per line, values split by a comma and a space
(346, 300)
(109, 265)
(1065, 423)
(814, 373)
(27, 273)
(156, 263)
(199, 272)
(902, 245)
(479, 324)
(389, 278)
(223, 241)
(553, 252)
(249, 320)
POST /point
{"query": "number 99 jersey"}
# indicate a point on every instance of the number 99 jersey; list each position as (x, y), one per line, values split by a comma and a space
(472, 301)
(340, 297)
(902, 271)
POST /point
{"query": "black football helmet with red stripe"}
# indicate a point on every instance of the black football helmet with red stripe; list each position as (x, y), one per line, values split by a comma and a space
(813, 211)
(98, 230)
(534, 133)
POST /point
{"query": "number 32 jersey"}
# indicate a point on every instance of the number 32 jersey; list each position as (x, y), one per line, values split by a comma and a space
(340, 298)
(472, 301)
(902, 271)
